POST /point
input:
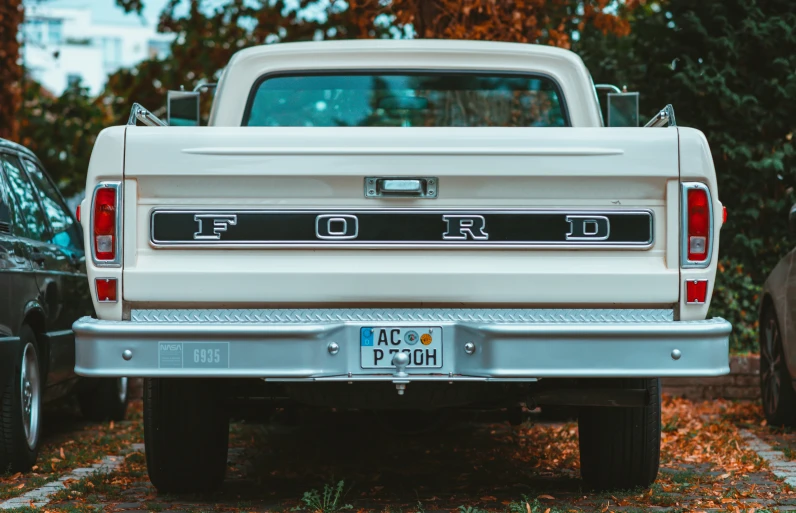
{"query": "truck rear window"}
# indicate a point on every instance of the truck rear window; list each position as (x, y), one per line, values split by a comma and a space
(430, 99)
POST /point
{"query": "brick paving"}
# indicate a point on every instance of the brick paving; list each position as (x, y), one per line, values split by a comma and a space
(743, 382)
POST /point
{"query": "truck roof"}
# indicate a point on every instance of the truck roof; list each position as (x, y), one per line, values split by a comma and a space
(248, 65)
(447, 45)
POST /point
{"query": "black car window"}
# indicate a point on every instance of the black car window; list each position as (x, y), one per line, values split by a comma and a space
(8, 214)
(64, 230)
(26, 199)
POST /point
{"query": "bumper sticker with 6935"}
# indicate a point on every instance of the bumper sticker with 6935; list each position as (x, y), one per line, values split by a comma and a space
(193, 355)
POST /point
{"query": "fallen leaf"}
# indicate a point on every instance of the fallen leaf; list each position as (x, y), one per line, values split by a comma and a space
(724, 476)
(16, 476)
(111, 425)
(62, 454)
(21, 485)
(548, 497)
(489, 498)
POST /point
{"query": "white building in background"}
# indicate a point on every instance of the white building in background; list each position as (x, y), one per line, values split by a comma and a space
(64, 45)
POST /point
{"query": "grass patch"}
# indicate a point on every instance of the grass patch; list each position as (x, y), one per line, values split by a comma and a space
(472, 509)
(330, 500)
(91, 488)
(685, 476)
(14, 489)
(670, 425)
(787, 450)
(527, 505)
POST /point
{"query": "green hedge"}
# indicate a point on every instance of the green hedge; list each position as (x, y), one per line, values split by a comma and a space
(729, 69)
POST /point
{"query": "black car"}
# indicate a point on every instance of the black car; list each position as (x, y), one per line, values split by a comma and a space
(43, 290)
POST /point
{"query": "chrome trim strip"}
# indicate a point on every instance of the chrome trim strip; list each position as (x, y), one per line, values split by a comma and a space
(685, 263)
(397, 151)
(520, 352)
(400, 245)
(403, 315)
(116, 262)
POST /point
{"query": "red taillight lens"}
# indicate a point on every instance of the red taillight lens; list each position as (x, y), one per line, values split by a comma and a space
(698, 224)
(696, 291)
(106, 289)
(105, 224)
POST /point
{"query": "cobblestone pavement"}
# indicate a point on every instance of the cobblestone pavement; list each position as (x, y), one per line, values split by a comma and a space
(713, 458)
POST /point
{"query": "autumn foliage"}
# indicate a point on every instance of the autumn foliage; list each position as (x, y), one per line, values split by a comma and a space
(10, 70)
(520, 21)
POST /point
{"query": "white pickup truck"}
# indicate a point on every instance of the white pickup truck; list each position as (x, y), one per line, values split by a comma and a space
(405, 226)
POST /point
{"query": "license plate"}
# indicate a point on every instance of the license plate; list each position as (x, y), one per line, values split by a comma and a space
(379, 345)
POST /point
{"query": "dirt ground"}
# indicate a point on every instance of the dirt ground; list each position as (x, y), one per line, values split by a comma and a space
(476, 462)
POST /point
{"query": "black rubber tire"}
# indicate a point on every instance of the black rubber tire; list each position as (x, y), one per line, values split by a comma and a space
(186, 433)
(15, 454)
(620, 447)
(102, 400)
(776, 384)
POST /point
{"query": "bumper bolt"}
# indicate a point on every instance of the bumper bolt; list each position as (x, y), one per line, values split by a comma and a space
(333, 348)
(127, 354)
(469, 347)
(676, 354)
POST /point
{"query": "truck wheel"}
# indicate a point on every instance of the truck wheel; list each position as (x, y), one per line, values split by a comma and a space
(620, 447)
(186, 431)
(776, 386)
(105, 400)
(20, 408)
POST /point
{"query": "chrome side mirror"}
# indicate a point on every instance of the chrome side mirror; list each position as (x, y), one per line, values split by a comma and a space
(622, 109)
(183, 108)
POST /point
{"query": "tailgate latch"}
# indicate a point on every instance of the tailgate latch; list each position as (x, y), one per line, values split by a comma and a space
(401, 187)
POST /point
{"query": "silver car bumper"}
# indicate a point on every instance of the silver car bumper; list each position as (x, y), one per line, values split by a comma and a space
(477, 344)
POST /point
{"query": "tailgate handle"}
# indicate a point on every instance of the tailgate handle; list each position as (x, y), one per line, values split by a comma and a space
(401, 187)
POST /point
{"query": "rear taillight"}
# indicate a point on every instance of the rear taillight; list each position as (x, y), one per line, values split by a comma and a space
(104, 224)
(697, 225)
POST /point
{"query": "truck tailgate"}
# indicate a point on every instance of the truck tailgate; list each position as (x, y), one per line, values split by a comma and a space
(481, 172)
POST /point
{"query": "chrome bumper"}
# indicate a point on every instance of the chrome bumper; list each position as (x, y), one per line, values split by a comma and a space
(324, 345)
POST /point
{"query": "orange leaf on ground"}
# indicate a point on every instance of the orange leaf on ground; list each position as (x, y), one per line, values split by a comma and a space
(548, 497)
